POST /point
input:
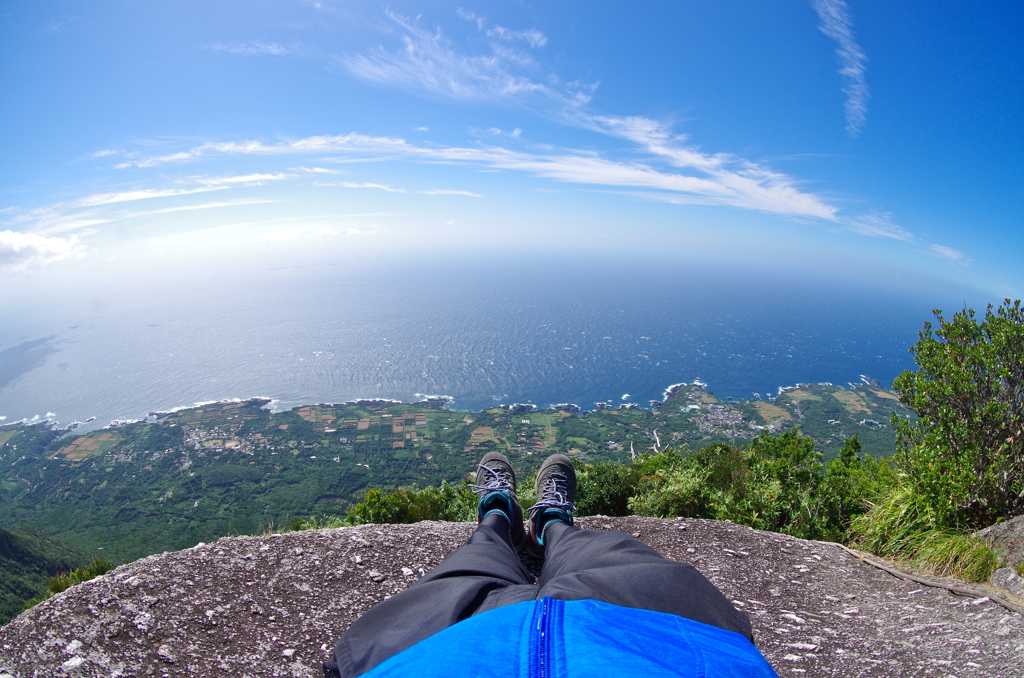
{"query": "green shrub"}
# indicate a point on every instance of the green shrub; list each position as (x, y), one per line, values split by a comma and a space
(960, 463)
(603, 488)
(448, 502)
(316, 523)
(966, 452)
(771, 484)
(62, 581)
(671, 492)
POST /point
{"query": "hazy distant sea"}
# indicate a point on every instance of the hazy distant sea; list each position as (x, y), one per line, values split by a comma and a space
(484, 332)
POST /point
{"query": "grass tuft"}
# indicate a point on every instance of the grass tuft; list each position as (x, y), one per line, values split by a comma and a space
(901, 526)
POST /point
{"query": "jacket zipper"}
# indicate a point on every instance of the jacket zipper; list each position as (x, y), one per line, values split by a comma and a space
(542, 665)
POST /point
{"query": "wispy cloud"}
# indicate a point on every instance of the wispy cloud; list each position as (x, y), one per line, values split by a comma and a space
(353, 144)
(250, 48)
(878, 225)
(531, 36)
(428, 62)
(248, 179)
(193, 208)
(315, 170)
(472, 16)
(837, 24)
(949, 253)
(446, 191)
(59, 25)
(881, 225)
(392, 189)
(141, 194)
(21, 251)
(718, 179)
(352, 184)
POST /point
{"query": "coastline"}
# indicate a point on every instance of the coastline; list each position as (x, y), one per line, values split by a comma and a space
(438, 401)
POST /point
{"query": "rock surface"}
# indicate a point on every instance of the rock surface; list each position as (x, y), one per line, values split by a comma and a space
(273, 606)
(1006, 538)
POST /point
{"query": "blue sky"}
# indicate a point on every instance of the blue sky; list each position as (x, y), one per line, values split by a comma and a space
(847, 138)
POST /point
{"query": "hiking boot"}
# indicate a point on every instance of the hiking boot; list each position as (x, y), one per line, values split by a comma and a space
(496, 486)
(556, 490)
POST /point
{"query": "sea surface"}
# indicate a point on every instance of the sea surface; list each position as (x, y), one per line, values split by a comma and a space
(483, 331)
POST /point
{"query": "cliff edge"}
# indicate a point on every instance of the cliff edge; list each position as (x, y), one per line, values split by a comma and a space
(274, 606)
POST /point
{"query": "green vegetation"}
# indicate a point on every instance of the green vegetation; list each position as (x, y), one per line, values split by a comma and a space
(817, 461)
(63, 581)
(959, 467)
(28, 558)
(966, 452)
(961, 464)
(773, 483)
(449, 502)
(235, 468)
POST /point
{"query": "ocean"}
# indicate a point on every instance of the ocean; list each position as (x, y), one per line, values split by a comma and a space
(484, 331)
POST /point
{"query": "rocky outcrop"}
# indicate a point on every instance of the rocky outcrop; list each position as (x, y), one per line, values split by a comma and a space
(273, 606)
(1006, 538)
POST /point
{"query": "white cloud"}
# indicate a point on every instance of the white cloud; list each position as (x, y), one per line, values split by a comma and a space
(878, 225)
(315, 170)
(746, 187)
(949, 253)
(389, 189)
(58, 25)
(20, 251)
(534, 37)
(470, 16)
(349, 143)
(53, 220)
(881, 225)
(837, 24)
(255, 179)
(142, 194)
(531, 35)
(427, 62)
(718, 179)
(192, 208)
(445, 191)
(250, 48)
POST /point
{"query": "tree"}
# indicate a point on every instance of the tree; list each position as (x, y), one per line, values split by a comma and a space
(965, 455)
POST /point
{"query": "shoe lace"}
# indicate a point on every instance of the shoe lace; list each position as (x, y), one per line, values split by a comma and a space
(553, 494)
(496, 479)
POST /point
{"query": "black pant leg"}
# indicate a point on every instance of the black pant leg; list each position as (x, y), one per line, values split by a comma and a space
(613, 567)
(484, 573)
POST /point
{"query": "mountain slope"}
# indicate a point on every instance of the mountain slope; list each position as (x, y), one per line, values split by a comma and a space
(27, 559)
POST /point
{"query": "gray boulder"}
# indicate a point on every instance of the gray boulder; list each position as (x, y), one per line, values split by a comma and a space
(1006, 538)
(273, 606)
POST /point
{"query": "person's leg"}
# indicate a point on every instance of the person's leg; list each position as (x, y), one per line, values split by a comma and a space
(615, 568)
(483, 574)
(611, 566)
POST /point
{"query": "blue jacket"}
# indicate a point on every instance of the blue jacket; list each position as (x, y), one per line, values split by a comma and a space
(552, 638)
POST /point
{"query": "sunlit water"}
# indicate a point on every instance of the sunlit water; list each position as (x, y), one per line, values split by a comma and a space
(484, 333)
